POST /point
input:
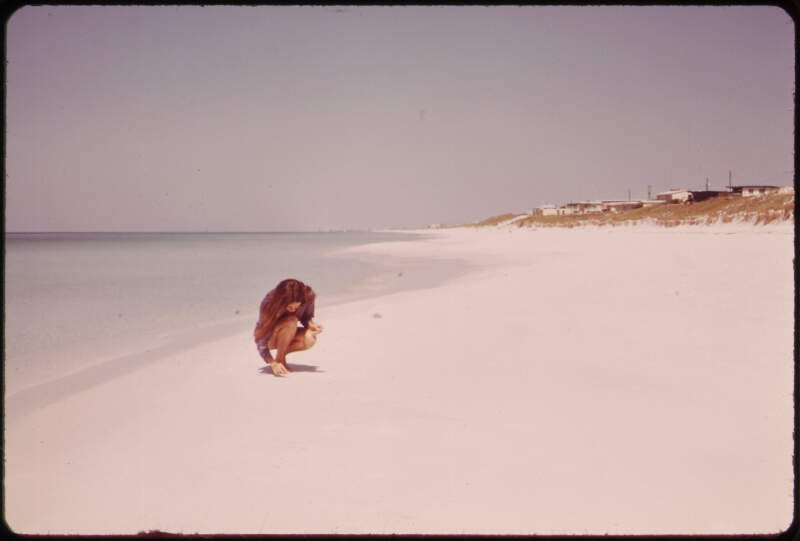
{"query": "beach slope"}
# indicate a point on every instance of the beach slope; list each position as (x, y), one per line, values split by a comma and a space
(584, 381)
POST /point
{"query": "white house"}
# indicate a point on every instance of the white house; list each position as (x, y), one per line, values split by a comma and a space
(675, 196)
(750, 191)
(582, 207)
(619, 206)
(646, 203)
(545, 210)
(588, 207)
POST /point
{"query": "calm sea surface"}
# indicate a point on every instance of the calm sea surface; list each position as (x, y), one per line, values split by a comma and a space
(73, 299)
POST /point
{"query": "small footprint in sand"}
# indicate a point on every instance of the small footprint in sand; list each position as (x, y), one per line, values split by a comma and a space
(376, 315)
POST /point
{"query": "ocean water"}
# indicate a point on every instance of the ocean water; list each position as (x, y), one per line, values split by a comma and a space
(75, 300)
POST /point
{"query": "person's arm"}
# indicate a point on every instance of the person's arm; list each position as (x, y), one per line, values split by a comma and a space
(308, 313)
(263, 350)
(310, 323)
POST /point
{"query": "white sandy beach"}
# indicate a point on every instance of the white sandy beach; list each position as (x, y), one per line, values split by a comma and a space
(633, 380)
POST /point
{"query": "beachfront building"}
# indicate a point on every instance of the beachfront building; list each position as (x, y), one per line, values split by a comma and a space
(545, 210)
(647, 203)
(702, 195)
(621, 206)
(753, 190)
(675, 196)
(592, 206)
(581, 207)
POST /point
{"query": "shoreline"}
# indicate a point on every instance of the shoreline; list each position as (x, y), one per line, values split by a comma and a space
(151, 347)
(498, 392)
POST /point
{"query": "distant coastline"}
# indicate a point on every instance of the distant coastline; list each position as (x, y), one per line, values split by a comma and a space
(204, 232)
(726, 208)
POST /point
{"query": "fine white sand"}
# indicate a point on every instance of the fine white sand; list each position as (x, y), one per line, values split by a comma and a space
(587, 381)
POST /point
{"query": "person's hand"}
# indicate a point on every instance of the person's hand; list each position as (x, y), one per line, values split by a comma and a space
(279, 369)
(314, 327)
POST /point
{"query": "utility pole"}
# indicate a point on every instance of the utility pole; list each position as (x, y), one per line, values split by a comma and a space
(649, 192)
(629, 194)
(730, 185)
(706, 183)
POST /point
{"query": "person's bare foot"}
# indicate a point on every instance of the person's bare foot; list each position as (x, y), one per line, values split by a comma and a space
(279, 369)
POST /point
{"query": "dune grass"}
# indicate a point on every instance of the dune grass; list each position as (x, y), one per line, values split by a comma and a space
(725, 208)
(495, 220)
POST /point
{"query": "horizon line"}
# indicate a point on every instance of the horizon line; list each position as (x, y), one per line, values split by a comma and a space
(206, 231)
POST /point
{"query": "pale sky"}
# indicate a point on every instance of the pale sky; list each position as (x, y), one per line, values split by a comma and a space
(229, 118)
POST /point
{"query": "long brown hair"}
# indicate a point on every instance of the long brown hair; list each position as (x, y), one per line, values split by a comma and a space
(286, 292)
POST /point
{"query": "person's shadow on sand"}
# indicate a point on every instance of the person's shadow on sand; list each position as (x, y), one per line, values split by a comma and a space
(293, 368)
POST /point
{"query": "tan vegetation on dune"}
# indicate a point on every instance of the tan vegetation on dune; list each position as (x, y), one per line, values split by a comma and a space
(725, 208)
(495, 220)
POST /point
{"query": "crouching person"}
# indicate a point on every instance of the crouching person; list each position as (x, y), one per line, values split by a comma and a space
(286, 323)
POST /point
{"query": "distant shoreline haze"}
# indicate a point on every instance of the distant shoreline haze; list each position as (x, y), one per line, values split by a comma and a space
(71, 298)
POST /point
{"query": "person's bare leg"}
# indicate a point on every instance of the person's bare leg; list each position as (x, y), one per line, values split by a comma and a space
(281, 339)
(288, 338)
(309, 338)
(303, 340)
